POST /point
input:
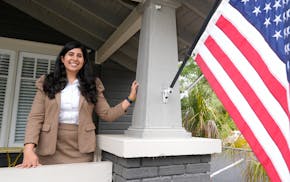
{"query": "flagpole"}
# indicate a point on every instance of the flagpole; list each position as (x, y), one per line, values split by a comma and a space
(188, 53)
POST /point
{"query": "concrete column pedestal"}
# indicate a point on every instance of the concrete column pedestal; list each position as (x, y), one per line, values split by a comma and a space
(158, 159)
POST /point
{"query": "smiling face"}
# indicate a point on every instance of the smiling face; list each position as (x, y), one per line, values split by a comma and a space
(73, 60)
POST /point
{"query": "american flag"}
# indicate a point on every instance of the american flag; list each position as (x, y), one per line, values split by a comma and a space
(244, 53)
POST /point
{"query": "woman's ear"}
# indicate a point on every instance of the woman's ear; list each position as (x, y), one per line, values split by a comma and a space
(61, 57)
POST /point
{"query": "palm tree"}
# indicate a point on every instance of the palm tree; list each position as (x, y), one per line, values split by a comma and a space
(198, 117)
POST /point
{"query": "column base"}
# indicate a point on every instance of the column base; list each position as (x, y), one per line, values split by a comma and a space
(157, 133)
(165, 169)
(131, 147)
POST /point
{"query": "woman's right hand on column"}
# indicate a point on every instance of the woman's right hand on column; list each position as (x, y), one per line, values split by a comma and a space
(30, 159)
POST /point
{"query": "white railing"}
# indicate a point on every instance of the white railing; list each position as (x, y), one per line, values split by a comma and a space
(84, 172)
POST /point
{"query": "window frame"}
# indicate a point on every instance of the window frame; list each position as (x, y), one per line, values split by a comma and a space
(14, 111)
(9, 93)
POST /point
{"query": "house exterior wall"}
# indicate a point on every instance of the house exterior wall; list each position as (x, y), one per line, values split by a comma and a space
(117, 81)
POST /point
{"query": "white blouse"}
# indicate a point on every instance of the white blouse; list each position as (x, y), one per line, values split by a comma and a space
(69, 107)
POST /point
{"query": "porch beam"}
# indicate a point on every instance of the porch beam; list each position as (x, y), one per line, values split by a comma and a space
(124, 32)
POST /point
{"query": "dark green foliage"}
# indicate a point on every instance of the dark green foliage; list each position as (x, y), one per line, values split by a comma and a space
(202, 106)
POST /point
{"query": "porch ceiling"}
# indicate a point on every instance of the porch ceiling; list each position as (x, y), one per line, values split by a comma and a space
(111, 27)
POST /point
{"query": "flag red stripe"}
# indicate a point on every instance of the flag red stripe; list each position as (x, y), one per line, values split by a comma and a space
(245, 47)
(251, 97)
(240, 122)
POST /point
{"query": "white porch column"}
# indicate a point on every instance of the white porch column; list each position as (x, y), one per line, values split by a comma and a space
(156, 67)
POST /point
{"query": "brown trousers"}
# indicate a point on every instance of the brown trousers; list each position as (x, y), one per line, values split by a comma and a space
(66, 148)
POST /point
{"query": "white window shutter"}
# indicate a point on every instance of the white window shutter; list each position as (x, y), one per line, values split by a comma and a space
(7, 61)
(30, 68)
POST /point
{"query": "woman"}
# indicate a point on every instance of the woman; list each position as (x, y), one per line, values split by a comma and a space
(60, 127)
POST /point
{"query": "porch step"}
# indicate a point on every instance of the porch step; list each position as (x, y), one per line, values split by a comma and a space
(84, 172)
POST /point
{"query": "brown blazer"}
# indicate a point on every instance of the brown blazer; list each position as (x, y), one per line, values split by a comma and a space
(42, 124)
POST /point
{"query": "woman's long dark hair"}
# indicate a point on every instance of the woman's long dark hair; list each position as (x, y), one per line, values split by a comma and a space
(56, 81)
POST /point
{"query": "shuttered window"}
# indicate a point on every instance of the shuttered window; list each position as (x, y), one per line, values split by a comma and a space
(30, 68)
(7, 62)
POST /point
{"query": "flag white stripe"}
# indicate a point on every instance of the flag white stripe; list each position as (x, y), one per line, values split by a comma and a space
(257, 41)
(254, 80)
(247, 113)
